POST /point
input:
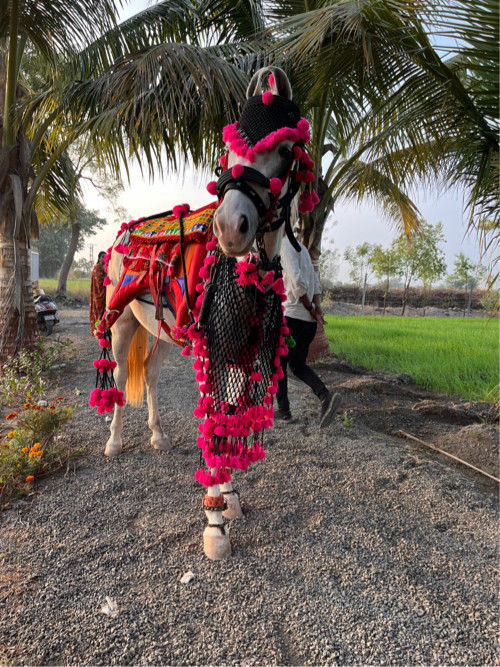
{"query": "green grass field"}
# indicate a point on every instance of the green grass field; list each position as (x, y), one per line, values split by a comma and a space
(455, 356)
(76, 289)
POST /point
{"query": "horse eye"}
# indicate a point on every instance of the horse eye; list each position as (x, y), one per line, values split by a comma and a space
(285, 152)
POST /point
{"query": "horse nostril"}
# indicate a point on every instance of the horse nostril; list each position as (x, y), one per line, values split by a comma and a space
(244, 225)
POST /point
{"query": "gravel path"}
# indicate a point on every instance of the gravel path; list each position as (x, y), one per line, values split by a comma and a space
(354, 549)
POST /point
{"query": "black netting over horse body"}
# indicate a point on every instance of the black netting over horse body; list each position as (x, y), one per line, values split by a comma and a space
(238, 351)
(242, 339)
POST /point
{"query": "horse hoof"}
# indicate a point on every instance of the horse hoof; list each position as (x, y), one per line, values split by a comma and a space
(163, 445)
(233, 506)
(217, 545)
(113, 449)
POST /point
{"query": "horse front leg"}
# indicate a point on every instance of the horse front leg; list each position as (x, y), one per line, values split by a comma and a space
(232, 499)
(122, 333)
(216, 536)
(159, 439)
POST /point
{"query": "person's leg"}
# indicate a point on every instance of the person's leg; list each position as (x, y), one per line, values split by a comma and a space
(303, 333)
(282, 393)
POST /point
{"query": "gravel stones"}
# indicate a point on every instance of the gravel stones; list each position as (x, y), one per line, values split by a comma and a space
(351, 550)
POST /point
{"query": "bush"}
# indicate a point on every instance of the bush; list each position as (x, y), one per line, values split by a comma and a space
(32, 448)
(21, 376)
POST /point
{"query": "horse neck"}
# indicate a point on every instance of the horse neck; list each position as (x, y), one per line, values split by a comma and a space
(272, 243)
(116, 260)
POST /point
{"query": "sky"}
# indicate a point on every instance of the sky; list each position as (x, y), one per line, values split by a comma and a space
(354, 224)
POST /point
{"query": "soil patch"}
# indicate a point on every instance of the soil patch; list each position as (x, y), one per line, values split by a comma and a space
(393, 405)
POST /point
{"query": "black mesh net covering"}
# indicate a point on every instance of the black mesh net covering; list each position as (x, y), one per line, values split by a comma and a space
(238, 363)
(259, 120)
(242, 333)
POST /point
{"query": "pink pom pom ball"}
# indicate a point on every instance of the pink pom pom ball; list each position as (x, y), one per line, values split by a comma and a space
(237, 170)
(268, 97)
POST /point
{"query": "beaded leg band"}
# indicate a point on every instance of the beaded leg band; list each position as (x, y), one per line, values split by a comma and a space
(214, 503)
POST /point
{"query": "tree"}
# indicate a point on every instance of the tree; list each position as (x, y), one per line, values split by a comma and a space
(466, 275)
(52, 245)
(360, 260)
(83, 223)
(411, 114)
(74, 43)
(419, 257)
(81, 268)
(329, 266)
(382, 102)
(384, 266)
(58, 243)
(28, 162)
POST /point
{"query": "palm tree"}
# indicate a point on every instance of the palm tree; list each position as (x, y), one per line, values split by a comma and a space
(29, 161)
(397, 112)
(162, 95)
(160, 86)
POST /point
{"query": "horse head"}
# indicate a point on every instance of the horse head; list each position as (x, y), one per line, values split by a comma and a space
(264, 165)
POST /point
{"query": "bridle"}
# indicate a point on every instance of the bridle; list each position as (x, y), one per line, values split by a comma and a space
(265, 210)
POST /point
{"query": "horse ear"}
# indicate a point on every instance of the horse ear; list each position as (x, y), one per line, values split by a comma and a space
(270, 78)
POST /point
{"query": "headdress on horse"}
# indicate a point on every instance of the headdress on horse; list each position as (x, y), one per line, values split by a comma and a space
(269, 118)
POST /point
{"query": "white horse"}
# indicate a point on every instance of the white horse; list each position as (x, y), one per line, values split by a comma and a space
(236, 222)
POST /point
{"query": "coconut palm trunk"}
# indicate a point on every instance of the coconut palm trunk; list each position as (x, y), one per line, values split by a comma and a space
(18, 323)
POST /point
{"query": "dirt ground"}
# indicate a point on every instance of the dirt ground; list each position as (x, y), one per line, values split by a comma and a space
(393, 405)
(354, 548)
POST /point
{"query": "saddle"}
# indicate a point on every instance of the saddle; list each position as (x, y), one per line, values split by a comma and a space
(163, 259)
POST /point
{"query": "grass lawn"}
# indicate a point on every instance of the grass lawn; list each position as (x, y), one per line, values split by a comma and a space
(455, 356)
(76, 288)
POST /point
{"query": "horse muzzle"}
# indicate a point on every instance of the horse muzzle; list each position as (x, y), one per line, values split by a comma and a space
(235, 228)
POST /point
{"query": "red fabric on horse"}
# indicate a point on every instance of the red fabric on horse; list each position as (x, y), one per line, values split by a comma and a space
(153, 264)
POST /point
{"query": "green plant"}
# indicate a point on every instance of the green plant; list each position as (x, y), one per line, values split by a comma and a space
(21, 376)
(455, 356)
(348, 419)
(32, 449)
(491, 301)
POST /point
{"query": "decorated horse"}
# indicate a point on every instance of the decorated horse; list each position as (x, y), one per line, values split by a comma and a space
(211, 281)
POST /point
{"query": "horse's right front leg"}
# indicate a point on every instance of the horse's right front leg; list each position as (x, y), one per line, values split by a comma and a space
(122, 333)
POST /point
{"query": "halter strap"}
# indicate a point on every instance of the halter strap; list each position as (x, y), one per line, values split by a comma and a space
(227, 181)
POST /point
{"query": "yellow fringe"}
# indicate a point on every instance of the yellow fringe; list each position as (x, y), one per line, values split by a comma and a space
(135, 367)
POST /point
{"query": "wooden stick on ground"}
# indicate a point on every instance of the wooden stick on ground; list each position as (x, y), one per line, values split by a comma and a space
(455, 458)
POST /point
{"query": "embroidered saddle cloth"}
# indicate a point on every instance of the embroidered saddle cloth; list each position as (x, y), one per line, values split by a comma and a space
(152, 265)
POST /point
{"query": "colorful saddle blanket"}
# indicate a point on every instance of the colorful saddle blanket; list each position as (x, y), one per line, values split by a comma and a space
(153, 264)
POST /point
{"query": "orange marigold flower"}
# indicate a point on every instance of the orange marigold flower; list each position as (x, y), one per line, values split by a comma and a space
(36, 446)
(59, 398)
(27, 405)
(25, 450)
(52, 407)
(30, 478)
(11, 434)
(12, 415)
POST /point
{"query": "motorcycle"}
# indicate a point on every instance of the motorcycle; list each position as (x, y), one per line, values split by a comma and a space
(46, 313)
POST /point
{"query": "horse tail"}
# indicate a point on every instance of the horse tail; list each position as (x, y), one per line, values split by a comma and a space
(135, 367)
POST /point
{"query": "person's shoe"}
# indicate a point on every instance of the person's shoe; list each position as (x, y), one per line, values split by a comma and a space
(329, 409)
(283, 415)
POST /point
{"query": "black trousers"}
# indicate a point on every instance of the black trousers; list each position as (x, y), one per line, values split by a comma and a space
(303, 334)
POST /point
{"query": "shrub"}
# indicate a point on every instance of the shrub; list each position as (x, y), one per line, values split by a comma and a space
(21, 377)
(32, 448)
